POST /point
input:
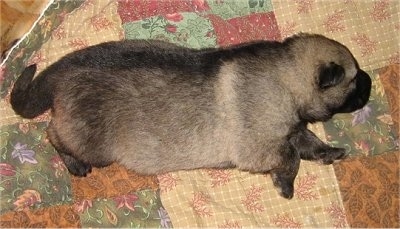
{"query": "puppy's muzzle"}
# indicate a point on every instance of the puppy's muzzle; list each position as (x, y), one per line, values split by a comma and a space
(360, 96)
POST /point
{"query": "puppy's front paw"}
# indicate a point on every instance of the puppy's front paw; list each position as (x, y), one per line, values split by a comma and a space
(330, 155)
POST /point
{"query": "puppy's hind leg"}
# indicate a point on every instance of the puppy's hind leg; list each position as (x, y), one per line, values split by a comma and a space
(74, 166)
(283, 177)
(310, 147)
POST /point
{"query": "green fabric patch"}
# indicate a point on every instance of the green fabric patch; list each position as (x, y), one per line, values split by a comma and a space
(367, 131)
(232, 9)
(32, 174)
(138, 209)
(187, 29)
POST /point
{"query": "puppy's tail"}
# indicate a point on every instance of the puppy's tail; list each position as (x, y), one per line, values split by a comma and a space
(31, 98)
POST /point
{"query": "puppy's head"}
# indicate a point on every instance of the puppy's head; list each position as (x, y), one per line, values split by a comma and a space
(333, 81)
(343, 94)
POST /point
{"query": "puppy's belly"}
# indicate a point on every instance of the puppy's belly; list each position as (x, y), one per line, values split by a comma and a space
(151, 155)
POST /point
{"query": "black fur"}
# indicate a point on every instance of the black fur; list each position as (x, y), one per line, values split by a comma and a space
(330, 75)
(31, 98)
(358, 97)
(310, 147)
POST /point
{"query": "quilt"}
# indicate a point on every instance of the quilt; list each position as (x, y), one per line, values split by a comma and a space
(36, 189)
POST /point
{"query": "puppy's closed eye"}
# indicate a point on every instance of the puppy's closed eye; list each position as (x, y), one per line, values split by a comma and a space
(330, 75)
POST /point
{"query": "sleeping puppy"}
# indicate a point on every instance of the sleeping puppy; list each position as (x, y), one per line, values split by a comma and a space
(155, 107)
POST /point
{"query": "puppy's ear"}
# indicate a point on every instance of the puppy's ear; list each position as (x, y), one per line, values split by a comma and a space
(330, 75)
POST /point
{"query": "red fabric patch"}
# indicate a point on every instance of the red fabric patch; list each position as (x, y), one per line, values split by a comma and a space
(257, 26)
(134, 10)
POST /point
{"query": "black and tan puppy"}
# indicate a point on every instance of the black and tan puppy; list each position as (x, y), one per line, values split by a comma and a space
(156, 107)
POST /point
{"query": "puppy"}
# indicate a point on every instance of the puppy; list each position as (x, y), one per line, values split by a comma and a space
(155, 107)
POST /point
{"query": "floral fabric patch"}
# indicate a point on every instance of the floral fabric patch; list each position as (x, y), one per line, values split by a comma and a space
(32, 174)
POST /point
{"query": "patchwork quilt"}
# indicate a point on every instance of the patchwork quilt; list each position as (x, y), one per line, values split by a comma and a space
(36, 189)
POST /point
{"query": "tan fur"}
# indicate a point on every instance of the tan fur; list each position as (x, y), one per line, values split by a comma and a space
(229, 125)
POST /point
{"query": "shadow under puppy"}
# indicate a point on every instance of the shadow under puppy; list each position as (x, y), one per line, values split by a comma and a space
(155, 107)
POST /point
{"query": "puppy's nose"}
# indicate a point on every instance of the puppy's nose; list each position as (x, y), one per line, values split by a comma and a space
(364, 84)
